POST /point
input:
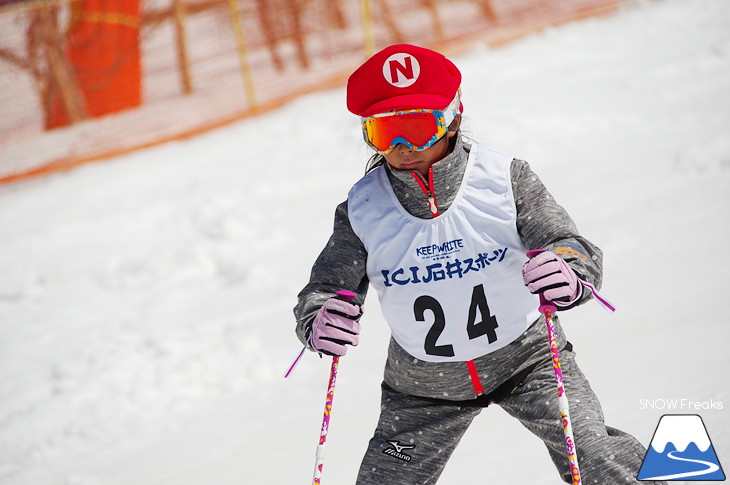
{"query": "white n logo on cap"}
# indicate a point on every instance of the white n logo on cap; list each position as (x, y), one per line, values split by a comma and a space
(401, 70)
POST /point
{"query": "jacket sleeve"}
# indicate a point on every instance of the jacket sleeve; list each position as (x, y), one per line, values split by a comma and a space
(340, 266)
(544, 224)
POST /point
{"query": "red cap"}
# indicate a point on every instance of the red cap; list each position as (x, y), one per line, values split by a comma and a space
(402, 77)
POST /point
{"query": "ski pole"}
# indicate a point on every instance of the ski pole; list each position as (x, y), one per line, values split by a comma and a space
(548, 309)
(319, 462)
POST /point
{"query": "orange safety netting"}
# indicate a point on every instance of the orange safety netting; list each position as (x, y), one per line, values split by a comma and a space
(82, 80)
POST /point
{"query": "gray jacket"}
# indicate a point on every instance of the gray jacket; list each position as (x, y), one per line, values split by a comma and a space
(541, 223)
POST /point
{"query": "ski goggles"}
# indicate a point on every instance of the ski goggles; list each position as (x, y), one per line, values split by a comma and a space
(417, 129)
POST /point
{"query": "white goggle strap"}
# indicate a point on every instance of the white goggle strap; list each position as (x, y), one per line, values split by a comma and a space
(452, 109)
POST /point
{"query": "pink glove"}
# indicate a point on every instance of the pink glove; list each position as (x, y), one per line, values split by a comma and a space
(550, 275)
(335, 326)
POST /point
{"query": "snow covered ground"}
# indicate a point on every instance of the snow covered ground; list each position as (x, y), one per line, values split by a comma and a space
(145, 302)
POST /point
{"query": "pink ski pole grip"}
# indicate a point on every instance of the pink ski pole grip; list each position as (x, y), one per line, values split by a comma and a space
(347, 294)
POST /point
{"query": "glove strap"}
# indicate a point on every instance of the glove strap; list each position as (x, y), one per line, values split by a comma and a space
(296, 361)
(604, 302)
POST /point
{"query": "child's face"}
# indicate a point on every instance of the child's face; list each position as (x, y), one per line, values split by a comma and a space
(404, 158)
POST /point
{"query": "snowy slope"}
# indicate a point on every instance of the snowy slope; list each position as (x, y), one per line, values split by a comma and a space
(145, 302)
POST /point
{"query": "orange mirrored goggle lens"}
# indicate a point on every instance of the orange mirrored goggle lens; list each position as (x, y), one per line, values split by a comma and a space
(417, 129)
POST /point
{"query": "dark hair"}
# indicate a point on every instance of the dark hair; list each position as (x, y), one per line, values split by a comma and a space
(374, 162)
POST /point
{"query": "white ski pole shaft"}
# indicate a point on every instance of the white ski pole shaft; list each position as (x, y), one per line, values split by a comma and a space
(319, 461)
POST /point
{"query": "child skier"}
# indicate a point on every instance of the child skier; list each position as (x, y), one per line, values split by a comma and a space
(440, 229)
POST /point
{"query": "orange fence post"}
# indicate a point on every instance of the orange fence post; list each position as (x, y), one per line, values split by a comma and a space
(180, 10)
(242, 52)
(65, 101)
(367, 27)
(434, 11)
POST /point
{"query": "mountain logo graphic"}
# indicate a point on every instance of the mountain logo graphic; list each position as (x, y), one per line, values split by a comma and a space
(681, 450)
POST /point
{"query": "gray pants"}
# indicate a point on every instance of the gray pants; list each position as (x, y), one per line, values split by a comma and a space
(415, 437)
